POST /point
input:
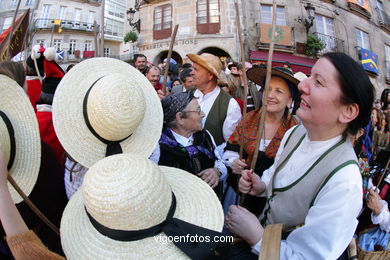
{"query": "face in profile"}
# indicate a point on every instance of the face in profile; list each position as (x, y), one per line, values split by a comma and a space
(192, 118)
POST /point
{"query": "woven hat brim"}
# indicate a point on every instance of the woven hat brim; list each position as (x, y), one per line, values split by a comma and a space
(68, 118)
(199, 60)
(196, 203)
(257, 75)
(16, 105)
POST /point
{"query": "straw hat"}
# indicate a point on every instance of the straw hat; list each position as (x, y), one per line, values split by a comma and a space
(208, 61)
(120, 105)
(128, 192)
(300, 76)
(17, 108)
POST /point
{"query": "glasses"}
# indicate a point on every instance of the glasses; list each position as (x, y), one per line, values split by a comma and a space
(198, 110)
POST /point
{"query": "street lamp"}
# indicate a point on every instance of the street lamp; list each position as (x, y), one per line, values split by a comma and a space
(130, 17)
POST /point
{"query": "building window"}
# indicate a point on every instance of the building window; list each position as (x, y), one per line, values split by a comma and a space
(72, 46)
(29, 2)
(113, 27)
(13, 3)
(266, 15)
(77, 15)
(115, 9)
(91, 17)
(162, 26)
(7, 23)
(88, 45)
(325, 31)
(61, 13)
(208, 18)
(57, 44)
(41, 42)
(106, 52)
(43, 22)
(387, 53)
(362, 39)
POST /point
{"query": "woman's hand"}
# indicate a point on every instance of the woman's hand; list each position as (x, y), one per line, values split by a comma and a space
(210, 176)
(374, 202)
(250, 183)
(238, 166)
(244, 224)
(3, 172)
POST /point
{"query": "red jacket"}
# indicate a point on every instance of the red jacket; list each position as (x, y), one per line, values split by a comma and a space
(34, 87)
(48, 135)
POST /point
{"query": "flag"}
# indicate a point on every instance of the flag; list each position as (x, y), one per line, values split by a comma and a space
(60, 54)
(362, 3)
(369, 60)
(18, 36)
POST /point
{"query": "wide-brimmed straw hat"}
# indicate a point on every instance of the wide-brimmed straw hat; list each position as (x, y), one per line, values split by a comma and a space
(127, 192)
(101, 102)
(258, 75)
(208, 61)
(19, 137)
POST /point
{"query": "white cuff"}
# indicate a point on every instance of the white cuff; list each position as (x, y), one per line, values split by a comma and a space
(256, 248)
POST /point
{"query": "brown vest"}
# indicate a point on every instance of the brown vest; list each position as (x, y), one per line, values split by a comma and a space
(217, 116)
(290, 205)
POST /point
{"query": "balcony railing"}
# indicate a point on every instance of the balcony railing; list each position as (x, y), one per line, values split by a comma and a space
(384, 19)
(331, 43)
(65, 25)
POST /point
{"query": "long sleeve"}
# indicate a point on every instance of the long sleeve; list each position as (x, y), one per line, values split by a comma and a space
(331, 221)
(218, 162)
(233, 116)
(383, 218)
(27, 246)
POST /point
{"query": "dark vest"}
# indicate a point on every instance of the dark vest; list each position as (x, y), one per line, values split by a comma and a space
(217, 116)
(169, 157)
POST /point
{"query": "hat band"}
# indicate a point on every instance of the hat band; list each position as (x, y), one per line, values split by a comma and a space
(11, 134)
(171, 226)
(113, 147)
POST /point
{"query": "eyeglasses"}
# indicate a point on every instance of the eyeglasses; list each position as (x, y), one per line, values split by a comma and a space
(198, 110)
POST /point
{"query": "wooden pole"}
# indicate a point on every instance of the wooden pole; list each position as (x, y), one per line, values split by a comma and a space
(7, 56)
(52, 35)
(383, 174)
(173, 37)
(266, 88)
(32, 206)
(95, 33)
(245, 84)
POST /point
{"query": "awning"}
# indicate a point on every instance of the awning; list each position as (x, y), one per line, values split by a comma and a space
(279, 59)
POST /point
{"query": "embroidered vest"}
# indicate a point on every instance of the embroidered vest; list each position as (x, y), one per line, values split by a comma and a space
(217, 116)
(290, 205)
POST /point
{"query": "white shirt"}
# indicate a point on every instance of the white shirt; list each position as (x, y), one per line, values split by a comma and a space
(383, 218)
(229, 156)
(78, 174)
(233, 115)
(184, 141)
(331, 221)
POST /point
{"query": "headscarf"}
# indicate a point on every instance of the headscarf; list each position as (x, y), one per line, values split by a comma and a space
(175, 103)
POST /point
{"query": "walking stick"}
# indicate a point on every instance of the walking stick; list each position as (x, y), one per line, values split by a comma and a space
(265, 94)
(173, 37)
(383, 174)
(32, 206)
(245, 84)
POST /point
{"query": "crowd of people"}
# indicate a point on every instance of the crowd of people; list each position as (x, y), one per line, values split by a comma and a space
(116, 159)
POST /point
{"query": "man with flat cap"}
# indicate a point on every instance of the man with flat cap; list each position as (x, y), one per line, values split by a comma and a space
(222, 112)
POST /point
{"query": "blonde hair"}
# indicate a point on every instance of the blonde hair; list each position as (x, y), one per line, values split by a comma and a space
(229, 81)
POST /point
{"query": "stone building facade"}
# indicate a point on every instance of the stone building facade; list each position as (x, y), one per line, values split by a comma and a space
(355, 27)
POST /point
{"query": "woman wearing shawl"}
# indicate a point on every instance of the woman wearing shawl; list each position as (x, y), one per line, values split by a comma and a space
(283, 91)
(314, 188)
(184, 144)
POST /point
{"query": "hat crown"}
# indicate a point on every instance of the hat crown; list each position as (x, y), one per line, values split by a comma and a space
(213, 61)
(126, 192)
(114, 108)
